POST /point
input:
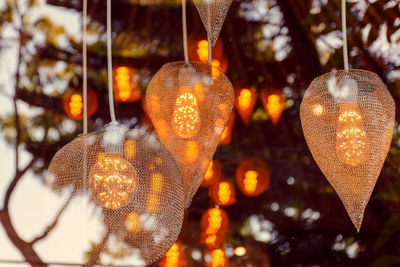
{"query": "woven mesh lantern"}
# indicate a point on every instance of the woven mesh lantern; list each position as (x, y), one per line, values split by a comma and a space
(214, 226)
(252, 177)
(213, 14)
(189, 109)
(213, 173)
(73, 103)
(132, 181)
(273, 101)
(223, 193)
(348, 120)
(245, 101)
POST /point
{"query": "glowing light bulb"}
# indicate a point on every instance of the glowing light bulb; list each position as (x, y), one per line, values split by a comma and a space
(218, 258)
(352, 146)
(318, 109)
(209, 173)
(250, 181)
(156, 185)
(216, 64)
(76, 105)
(214, 221)
(274, 107)
(112, 180)
(202, 50)
(132, 223)
(240, 251)
(224, 193)
(244, 98)
(186, 116)
(172, 256)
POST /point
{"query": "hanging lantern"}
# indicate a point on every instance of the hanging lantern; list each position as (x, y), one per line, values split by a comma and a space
(214, 227)
(223, 193)
(252, 177)
(348, 120)
(213, 14)
(175, 257)
(198, 47)
(226, 136)
(245, 101)
(218, 66)
(73, 103)
(132, 181)
(213, 173)
(216, 258)
(189, 110)
(125, 87)
(273, 101)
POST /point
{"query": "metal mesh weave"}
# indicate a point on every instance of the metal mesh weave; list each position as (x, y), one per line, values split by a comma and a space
(189, 105)
(213, 14)
(348, 120)
(133, 183)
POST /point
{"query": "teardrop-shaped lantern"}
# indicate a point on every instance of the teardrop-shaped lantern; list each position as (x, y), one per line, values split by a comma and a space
(73, 103)
(226, 137)
(133, 183)
(273, 101)
(189, 109)
(213, 173)
(223, 193)
(245, 101)
(214, 227)
(348, 120)
(213, 14)
(252, 177)
(126, 89)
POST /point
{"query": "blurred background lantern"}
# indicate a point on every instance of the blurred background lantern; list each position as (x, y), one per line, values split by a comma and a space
(226, 137)
(273, 101)
(198, 47)
(189, 128)
(250, 255)
(214, 227)
(252, 177)
(223, 193)
(73, 103)
(213, 173)
(126, 89)
(245, 101)
(175, 257)
(133, 182)
(216, 258)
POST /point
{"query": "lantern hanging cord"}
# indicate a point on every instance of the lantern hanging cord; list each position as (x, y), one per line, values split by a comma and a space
(209, 50)
(84, 66)
(184, 30)
(344, 34)
(109, 63)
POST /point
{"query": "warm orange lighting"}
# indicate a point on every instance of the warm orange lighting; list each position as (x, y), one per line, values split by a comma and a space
(112, 180)
(252, 177)
(73, 103)
(125, 90)
(202, 50)
(273, 104)
(223, 193)
(352, 146)
(129, 149)
(162, 128)
(186, 116)
(318, 109)
(156, 185)
(213, 173)
(214, 226)
(174, 257)
(245, 101)
(240, 251)
(192, 151)
(198, 47)
(244, 98)
(226, 136)
(132, 223)
(218, 259)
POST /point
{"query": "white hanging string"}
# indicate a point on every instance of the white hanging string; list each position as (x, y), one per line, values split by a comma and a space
(109, 64)
(344, 34)
(84, 66)
(184, 30)
(209, 50)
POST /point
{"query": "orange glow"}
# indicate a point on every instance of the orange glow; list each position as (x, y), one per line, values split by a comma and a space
(124, 90)
(224, 193)
(250, 181)
(175, 257)
(112, 180)
(226, 136)
(213, 173)
(162, 129)
(244, 98)
(129, 149)
(192, 151)
(216, 65)
(202, 50)
(73, 103)
(76, 105)
(318, 109)
(132, 222)
(209, 173)
(156, 185)
(214, 226)
(240, 251)
(218, 259)
(245, 102)
(186, 117)
(274, 107)
(252, 177)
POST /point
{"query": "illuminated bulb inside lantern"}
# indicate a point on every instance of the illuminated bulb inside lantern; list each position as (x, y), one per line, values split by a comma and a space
(224, 192)
(217, 258)
(352, 146)
(172, 256)
(156, 184)
(112, 180)
(274, 107)
(123, 80)
(216, 64)
(244, 99)
(240, 251)
(202, 50)
(76, 105)
(186, 117)
(250, 181)
(214, 224)
(132, 222)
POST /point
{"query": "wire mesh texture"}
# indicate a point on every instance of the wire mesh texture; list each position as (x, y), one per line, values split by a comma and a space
(348, 121)
(132, 181)
(189, 105)
(213, 14)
